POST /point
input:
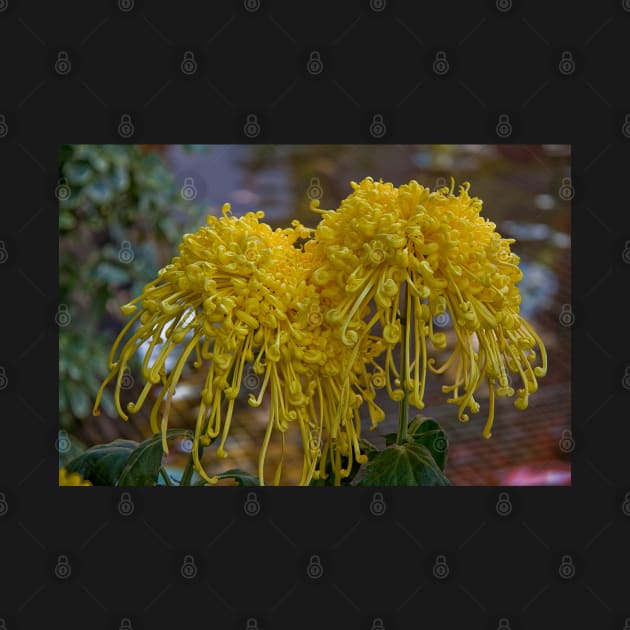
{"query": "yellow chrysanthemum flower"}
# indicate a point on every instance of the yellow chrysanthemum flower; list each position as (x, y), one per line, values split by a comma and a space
(391, 259)
(72, 479)
(237, 295)
(319, 323)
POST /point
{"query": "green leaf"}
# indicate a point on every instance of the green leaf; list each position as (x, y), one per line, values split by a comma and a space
(122, 462)
(367, 448)
(103, 463)
(429, 433)
(425, 431)
(390, 438)
(243, 478)
(403, 465)
(143, 466)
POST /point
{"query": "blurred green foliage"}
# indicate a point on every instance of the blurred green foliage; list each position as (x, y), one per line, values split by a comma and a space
(120, 217)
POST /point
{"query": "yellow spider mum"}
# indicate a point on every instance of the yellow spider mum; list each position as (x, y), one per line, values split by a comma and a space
(72, 479)
(235, 296)
(319, 323)
(391, 259)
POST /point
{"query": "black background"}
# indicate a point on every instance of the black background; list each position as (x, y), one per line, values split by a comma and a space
(502, 569)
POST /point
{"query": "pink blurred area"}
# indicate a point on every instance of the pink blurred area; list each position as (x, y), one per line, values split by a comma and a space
(530, 476)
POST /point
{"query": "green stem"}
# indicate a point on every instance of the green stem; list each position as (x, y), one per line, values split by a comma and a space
(165, 476)
(403, 416)
(188, 471)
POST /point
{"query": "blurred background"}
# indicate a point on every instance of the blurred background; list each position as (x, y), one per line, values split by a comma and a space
(124, 209)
